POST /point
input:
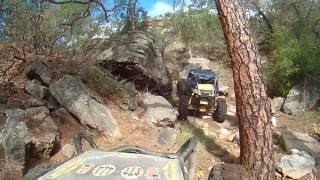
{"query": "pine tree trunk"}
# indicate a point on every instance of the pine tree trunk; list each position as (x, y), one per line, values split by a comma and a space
(253, 108)
(132, 13)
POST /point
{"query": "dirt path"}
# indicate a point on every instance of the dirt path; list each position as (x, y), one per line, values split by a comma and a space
(136, 131)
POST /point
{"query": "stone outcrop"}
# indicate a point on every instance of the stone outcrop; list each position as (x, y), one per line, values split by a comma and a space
(159, 111)
(84, 104)
(136, 58)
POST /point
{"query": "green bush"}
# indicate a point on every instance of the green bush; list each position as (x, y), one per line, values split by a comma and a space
(198, 26)
(295, 59)
(105, 83)
(282, 70)
(157, 36)
(309, 58)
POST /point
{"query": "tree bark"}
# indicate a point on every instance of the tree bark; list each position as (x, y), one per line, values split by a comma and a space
(132, 14)
(253, 108)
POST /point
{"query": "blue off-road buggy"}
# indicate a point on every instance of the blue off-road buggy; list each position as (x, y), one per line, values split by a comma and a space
(128, 162)
(200, 92)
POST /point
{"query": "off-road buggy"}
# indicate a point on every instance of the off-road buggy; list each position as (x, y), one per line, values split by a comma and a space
(200, 93)
(127, 162)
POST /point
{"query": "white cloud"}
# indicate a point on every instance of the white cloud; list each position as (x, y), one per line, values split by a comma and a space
(160, 8)
(188, 2)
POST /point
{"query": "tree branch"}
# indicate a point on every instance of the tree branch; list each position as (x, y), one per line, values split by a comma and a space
(266, 20)
(105, 11)
(89, 2)
(69, 2)
(264, 17)
(309, 11)
(84, 15)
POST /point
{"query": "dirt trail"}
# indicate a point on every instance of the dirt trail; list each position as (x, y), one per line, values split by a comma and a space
(136, 131)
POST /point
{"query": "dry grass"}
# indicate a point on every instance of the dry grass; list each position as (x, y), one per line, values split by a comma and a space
(6, 173)
(10, 173)
(305, 123)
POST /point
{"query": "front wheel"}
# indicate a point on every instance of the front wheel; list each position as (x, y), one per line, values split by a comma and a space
(221, 110)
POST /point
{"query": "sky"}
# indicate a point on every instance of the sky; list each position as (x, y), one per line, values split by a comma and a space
(154, 7)
(157, 7)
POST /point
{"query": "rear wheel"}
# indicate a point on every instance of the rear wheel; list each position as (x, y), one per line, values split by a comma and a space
(221, 111)
(183, 107)
(200, 114)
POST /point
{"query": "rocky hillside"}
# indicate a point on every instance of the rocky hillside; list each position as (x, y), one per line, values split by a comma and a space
(52, 100)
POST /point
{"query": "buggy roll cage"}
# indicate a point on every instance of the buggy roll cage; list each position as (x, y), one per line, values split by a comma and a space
(194, 76)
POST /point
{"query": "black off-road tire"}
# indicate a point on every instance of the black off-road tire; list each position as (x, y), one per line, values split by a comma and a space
(221, 111)
(181, 87)
(183, 107)
(200, 114)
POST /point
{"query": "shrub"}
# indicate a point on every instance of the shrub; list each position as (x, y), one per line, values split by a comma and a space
(105, 83)
(295, 59)
(198, 26)
(281, 71)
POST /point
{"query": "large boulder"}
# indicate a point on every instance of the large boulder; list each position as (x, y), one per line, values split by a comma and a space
(37, 69)
(86, 105)
(28, 133)
(159, 111)
(62, 115)
(302, 98)
(35, 89)
(38, 113)
(23, 100)
(303, 142)
(168, 136)
(42, 115)
(296, 165)
(43, 132)
(136, 58)
(68, 151)
(15, 143)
